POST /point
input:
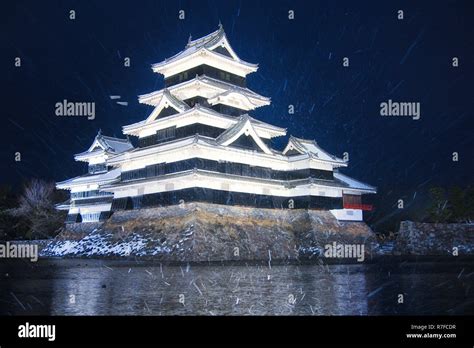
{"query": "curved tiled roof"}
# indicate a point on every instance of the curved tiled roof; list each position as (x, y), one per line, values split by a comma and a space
(206, 42)
(312, 148)
(107, 144)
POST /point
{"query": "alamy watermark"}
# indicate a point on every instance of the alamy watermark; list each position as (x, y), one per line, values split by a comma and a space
(394, 108)
(345, 251)
(28, 330)
(67, 108)
(20, 251)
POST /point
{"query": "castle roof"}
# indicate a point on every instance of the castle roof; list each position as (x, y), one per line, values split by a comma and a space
(215, 45)
(104, 144)
(220, 87)
(310, 147)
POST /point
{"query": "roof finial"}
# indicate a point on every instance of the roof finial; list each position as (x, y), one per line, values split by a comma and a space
(220, 25)
(190, 38)
(100, 132)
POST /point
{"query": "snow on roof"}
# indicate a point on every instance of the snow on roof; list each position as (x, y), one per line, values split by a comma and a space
(226, 87)
(197, 106)
(243, 126)
(231, 87)
(353, 183)
(176, 102)
(211, 174)
(266, 125)
(259, 125)
(312, 148)
(116, 145)
(230, 132)
(207, 42)
(89, 179)
(103, 143)
(167, 100)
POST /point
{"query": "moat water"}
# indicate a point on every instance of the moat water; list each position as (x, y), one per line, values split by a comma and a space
(93, 287)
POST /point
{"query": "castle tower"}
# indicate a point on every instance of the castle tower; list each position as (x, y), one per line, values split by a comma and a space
(200, 143)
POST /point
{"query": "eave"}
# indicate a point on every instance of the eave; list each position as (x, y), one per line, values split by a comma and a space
(210, 145)
(298, 145)
(354, 184)
(209, 179)
(206, 87)
(188, 60)
(103, 178)
(206, 116)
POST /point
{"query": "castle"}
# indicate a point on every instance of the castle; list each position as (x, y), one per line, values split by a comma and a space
(201, 144)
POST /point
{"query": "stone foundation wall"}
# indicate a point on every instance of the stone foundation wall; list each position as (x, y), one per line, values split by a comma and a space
(415, 238)
(211, 232)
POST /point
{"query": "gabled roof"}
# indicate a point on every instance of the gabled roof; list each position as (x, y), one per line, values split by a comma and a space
(207, 45)
(262, 124)
(243, 127)
(310, 147)
(167, 100)
(104, 144)
(207, 40)
(213, 40)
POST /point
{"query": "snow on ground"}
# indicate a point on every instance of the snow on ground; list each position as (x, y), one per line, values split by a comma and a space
(98, 244)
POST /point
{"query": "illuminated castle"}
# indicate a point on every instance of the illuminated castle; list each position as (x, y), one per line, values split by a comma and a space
(200, 144)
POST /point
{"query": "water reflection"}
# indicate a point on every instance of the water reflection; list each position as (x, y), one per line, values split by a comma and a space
(71, 287)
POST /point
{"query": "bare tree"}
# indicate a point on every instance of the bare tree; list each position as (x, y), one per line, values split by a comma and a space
(36, 210)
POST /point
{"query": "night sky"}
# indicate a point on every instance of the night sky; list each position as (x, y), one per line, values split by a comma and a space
(300, 63)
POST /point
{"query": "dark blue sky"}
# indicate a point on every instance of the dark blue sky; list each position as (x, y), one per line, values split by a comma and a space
(300, 63)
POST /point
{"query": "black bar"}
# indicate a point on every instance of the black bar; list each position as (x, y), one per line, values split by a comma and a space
(223, 330)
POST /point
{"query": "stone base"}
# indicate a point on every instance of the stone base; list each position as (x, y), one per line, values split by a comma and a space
(415, 238)
(195, 232)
